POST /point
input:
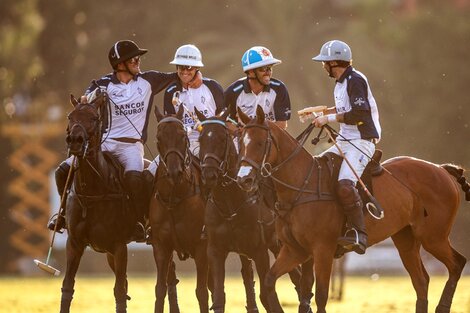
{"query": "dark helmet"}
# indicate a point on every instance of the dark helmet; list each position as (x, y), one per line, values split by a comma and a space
(124, 50)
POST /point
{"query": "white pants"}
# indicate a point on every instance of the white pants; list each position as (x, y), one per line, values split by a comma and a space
(193, 147)
(355, 157)
(130, 155)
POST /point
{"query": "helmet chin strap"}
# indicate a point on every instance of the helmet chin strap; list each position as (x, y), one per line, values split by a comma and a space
(331, 67)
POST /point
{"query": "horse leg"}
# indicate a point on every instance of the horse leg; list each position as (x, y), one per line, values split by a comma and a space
(74, 253)
(172, 292)
(120, 284)
(306, 284)
(162, 256)
(442, 250)
(217, 266)
(408, 247)
(248, 281)
(285, 262)
(200, 258)
(262, 267)
(323, 257)
(295, 275)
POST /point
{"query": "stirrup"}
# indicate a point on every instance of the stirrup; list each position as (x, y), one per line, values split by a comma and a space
(61, 226)
(148, 235)
(352, 243)
(139, 233)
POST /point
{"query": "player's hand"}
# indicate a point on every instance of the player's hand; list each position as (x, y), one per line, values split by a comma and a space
(320, 121)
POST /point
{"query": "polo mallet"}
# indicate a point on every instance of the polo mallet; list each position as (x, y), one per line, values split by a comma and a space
(373, 206)
(45, 266)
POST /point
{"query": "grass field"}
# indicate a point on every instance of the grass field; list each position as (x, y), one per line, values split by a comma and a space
(95, 295)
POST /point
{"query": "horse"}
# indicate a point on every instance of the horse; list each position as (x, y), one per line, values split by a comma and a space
(236, 221)
(420, 200)
(177, 208)
(97, 209)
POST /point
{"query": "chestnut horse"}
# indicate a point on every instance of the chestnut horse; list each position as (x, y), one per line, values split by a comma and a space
(420, 200)
(97, 210)
(177, 208)
(236, 221)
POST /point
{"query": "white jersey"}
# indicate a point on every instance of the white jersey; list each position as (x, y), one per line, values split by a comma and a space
(353, 97)
(207, 99)
(131, 103)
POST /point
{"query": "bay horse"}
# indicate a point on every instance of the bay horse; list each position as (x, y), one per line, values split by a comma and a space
(420, 201)
(177, 209)
(98, 213)
(236, 221)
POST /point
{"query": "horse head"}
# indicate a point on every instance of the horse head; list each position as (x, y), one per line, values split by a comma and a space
(214, 147)
(173, 144)
(85, 125)
(258, 150)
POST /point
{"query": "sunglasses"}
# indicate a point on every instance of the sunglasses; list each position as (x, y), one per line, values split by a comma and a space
(134, 60)
(265, 68)
(185, 67)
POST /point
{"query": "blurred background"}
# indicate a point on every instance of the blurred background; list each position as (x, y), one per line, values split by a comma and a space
(415, 54)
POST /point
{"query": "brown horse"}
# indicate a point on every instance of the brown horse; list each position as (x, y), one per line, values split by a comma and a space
(177, 208)
(236, 221)
(97, 211)
(420, 200)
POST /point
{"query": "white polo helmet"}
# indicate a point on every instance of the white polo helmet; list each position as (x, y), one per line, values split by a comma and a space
(334, 50)
(188, 55)
(258, 57)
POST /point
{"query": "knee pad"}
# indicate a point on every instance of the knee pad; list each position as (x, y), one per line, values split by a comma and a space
(347, 192)
(61, 174)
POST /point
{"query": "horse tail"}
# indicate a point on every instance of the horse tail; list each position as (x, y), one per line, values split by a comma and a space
(457, 172)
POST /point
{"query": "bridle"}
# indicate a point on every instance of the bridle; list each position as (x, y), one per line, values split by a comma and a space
(88, 136)
(265, 169)
(222, 163)
(187, 157)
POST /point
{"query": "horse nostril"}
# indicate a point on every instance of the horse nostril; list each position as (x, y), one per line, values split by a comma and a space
(68, 140)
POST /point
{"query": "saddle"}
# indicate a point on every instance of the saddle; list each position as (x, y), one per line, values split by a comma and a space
(116, 172)
(333, 163)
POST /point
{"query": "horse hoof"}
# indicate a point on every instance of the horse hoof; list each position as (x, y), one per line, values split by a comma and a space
(305, 309)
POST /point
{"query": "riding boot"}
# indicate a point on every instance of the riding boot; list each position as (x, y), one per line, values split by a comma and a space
(61, 174)
(355, 238)
(134, 182)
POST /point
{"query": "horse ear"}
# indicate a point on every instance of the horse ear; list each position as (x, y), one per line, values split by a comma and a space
(158, 114)
(199, 115)
(73, 101)
(243, 117)
(259, 115)
(179, 114)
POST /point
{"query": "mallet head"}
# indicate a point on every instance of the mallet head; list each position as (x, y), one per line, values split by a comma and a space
(47, 268)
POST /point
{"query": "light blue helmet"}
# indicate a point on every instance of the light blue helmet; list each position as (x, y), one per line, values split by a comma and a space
(334, 50)
(258, 57)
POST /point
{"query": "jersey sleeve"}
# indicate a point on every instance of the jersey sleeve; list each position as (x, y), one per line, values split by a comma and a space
(159, 80)
(168, 107)
(358, 98)
(217, 92)
(102, 82)
(230, 101)
(282, 106)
